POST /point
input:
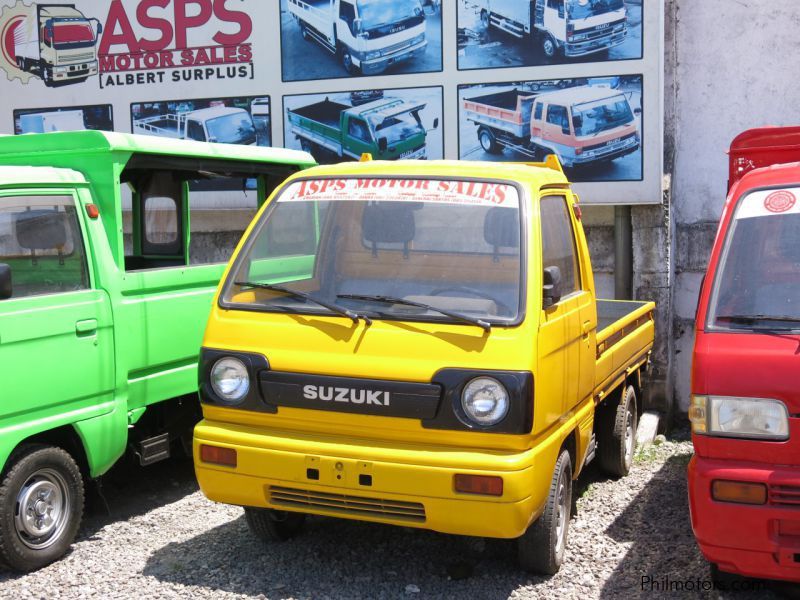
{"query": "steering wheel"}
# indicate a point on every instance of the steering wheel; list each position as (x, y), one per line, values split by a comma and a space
(502, 307)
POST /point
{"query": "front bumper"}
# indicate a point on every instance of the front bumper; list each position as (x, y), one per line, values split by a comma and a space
(65, 72)
(573, 49)
(379, 65)
(375, 481)
(754, 541)
(602, 154)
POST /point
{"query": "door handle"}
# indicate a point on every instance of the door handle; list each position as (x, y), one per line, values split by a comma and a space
(86, 327)
(586, 329)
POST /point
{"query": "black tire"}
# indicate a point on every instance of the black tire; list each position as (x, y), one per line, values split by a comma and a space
(306, 146)
(723, 580)
(42, 484)
(47, 76)
(270, 525)
(304, 31)
(541, 549)
(616, 434)
(549, 46)
(488, 141)
(485, 21)
(347, 61)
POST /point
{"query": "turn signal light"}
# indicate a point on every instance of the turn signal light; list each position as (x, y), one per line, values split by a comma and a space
(740, 492)
(92, 211)
(218, 455)
(486, 485)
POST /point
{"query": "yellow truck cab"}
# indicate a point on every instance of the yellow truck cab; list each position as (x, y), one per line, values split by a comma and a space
(418, 343)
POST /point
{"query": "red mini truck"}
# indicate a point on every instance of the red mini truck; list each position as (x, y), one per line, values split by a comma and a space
(744, 479)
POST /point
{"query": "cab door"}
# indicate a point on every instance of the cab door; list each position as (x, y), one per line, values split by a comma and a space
(561, 332)
(359, 138)
(56, 328)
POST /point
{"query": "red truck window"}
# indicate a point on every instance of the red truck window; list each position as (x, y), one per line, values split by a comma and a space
(758, 276)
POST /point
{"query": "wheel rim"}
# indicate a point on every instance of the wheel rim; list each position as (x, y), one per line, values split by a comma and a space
(485, 19)
(629, 437)
(348, 61)
(561, 519)
(549, 49)
(42, 511)
(486, 143)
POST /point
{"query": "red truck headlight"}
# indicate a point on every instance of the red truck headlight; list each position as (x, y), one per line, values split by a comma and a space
(730, 416)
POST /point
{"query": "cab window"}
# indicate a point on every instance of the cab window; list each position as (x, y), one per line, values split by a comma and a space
(557, 115)
(558, 242)
(358, 129)
(41, 242)
(194, 131)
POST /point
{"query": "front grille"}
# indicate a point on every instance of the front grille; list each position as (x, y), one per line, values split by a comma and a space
(347, 505)
(784, 495)
(601, 31)
(82, 57)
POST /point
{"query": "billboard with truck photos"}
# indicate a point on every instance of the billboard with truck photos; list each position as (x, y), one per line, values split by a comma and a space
(398, 79)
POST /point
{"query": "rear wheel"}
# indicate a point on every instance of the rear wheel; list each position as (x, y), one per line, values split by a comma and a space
(541, 549)
(488, 141)
(616, 434)
(274, 525)
(41, 504)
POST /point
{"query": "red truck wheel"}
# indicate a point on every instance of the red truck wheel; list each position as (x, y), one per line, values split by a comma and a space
(41, 505)
(541, 549)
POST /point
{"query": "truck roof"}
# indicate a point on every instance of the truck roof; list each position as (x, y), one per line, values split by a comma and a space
(214, 112)
(579, 95)
(37, 175)
(56, 11)
(543, 173)
(82, 142)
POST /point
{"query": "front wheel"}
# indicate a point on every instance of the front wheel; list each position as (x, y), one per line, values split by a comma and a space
(270, 525)
(347, 61)
(616, 434)
(549, 47)
(541, 549)
(41, 505)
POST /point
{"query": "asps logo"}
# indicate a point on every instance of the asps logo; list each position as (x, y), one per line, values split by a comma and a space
(158, 40)
(53, 42)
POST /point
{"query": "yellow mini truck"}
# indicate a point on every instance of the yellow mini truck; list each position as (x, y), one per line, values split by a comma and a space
(418, 343)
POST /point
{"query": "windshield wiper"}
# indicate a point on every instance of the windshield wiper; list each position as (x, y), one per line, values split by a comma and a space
(758, 317)
(334, 308)
(486, 326)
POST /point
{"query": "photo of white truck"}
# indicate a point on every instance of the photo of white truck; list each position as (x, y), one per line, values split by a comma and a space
(531, 32)
(588, 127)
(46, 122)
(221, 124)
(364, 37)
(58, 44)
(64, 118)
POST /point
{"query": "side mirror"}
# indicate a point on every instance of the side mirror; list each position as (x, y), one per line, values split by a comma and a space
(436, 123)
(5, 281)
(383, 144)
(356, 26)
(637, 111)
(552, 286)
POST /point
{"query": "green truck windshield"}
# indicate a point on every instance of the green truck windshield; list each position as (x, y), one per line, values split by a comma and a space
(450, 246)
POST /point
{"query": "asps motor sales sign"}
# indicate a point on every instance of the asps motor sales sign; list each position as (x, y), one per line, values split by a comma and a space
(126, 44)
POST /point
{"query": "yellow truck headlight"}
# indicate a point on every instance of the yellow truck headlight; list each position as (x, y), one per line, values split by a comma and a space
(230, 379)
(729, 416)
(485, 401)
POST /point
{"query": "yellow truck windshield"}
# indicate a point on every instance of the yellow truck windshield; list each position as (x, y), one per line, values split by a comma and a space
(386, 248)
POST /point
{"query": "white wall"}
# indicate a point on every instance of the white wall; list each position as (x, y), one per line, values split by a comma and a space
(735, 66)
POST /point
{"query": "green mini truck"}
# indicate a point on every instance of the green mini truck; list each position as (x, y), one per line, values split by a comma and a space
(111, 247)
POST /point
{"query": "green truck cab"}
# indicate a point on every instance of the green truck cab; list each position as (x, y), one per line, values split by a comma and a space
(111, 248)
(387, 128)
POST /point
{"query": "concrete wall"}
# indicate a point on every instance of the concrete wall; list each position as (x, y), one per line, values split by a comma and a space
(731, 65)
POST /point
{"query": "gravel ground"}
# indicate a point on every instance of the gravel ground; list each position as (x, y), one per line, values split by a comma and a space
(163, 539)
